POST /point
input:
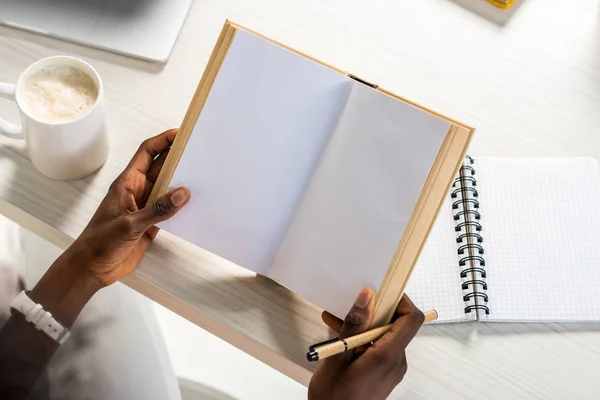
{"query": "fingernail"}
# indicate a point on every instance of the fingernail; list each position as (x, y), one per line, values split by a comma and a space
(363, 299)
(180, 196)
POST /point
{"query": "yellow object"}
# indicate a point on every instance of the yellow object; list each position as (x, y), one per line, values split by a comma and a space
(502, 3)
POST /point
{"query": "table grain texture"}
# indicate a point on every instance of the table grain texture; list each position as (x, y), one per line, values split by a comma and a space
(528, 80)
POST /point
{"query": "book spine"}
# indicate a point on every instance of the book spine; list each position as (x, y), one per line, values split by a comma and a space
(469, 239)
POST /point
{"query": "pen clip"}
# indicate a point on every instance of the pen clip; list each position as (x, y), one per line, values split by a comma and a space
(314, 346)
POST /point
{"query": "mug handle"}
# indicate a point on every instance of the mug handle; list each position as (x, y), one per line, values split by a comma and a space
(7, 90)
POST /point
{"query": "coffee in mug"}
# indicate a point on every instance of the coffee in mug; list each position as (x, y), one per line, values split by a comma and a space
(63, 117)
(58, 94)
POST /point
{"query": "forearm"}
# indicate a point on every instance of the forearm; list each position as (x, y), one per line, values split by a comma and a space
(24, 351)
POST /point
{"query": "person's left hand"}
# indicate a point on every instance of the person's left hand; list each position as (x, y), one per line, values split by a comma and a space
(122, 228)
(110, 247)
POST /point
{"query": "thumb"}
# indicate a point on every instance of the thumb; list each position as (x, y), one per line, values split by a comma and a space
(162, 208)
(360, 316)
(358, 320)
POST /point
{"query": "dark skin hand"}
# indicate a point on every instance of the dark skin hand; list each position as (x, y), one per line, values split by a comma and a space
(371, 372)
(109, 248)
(122, 228)
(113, 244)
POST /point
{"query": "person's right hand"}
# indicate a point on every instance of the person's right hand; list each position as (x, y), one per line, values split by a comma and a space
(369, 374)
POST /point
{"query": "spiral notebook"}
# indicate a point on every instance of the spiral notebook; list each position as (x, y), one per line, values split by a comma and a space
(517, 240)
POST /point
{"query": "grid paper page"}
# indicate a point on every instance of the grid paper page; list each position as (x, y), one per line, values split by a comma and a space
(435, 282)
(541, 229)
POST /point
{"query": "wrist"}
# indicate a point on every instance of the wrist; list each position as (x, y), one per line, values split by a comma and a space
(65, 288)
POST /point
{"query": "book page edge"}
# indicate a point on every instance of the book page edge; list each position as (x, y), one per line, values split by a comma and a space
(432, 112)
(430, 201)
(203, 89)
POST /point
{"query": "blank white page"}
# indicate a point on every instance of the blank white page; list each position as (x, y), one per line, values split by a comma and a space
(541, 232)
(253, 150)
(435, 282)
(354, 212)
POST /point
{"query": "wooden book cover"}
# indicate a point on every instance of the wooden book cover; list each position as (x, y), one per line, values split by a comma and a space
(330, 171)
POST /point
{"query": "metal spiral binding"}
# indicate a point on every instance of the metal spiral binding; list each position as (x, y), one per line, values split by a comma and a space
(468, 296)
(464, 224)
(463, 236)
(465, 272)
(469, 239)
(481, 307)
(463, 202)
(460, 191)
(463, 261)
(461, 249)
(475, 214)
(473, 282)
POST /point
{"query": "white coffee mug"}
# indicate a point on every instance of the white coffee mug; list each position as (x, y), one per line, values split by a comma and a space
(64, 151)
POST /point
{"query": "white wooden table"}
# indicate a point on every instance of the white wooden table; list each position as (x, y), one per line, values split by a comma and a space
(530, 85)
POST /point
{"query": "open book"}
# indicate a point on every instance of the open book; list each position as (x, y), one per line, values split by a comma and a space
(310, 176)
(517, 239)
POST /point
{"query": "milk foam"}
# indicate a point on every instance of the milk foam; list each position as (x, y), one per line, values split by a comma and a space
(58, 94)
